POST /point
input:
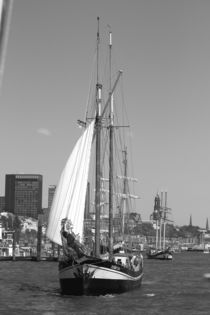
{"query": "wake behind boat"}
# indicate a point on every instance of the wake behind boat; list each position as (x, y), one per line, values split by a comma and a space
(84, 270)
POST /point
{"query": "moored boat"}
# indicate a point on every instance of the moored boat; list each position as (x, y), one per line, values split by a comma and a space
(160, 254)
(160, 218)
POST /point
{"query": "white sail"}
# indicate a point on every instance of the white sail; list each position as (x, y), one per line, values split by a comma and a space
(69, 198)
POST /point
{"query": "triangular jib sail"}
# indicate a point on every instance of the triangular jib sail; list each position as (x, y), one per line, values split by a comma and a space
(69, 198)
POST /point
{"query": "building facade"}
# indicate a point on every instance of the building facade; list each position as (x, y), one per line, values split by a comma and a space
(23, 194)
(2, 204)
(46, 211)
(51, 192)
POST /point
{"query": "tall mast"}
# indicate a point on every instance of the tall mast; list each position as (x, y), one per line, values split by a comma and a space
(164, 226)
(98, 153)
(125, 191)
(111, 158)
(161, 207)
(157, 216)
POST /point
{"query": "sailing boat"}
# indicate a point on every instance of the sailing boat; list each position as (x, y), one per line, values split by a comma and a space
(206, 237)
(159, 216)
(82, 272)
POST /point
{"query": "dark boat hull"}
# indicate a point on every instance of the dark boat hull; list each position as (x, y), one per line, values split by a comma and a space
(90, 279)
(162, 255)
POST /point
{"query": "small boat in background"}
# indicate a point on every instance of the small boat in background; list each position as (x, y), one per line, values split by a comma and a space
(160, 254)
(159, 217)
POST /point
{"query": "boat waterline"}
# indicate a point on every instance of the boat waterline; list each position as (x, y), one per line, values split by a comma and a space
(90, 279)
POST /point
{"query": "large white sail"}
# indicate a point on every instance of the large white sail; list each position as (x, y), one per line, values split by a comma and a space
(69, 198)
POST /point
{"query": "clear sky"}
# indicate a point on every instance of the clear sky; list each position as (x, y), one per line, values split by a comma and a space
(163, 47)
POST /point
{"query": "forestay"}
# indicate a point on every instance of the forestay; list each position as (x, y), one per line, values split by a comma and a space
(70, 194)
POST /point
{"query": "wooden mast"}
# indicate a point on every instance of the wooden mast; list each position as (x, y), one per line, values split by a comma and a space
(98, 154)
(111, 158)
(99, 116)
(164, 226)
(125, 190)
(160, 222)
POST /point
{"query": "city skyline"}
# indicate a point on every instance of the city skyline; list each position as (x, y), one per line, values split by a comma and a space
(51, 190)
(163, 48)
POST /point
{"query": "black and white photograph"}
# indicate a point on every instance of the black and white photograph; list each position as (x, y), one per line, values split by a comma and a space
(105, 157)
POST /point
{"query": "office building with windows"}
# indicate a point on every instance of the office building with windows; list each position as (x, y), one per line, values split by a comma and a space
(2, 204)
(23, 194)
(46, 211)
(51, 192)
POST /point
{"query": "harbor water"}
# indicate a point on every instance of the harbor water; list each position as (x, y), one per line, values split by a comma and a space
(168, 287)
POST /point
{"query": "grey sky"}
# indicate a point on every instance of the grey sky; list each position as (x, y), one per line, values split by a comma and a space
(163, 47)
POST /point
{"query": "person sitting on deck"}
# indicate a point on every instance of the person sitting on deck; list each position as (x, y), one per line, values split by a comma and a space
(71, 247)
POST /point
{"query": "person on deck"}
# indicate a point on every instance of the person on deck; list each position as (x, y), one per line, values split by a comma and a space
(71, 247)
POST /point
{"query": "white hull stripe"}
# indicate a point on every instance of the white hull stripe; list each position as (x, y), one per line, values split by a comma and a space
(98, 273)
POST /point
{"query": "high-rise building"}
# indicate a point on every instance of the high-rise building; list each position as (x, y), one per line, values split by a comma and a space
(51, 191)
(2, 204)
(46, 211)
(23, 194)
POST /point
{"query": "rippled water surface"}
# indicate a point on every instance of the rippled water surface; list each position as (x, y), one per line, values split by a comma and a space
(176, 287)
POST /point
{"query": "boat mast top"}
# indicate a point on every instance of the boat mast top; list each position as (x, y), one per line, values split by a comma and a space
(98, 85)
(98, 42)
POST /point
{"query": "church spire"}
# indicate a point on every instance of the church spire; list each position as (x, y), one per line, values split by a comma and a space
(207, 224)
(190, 224)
